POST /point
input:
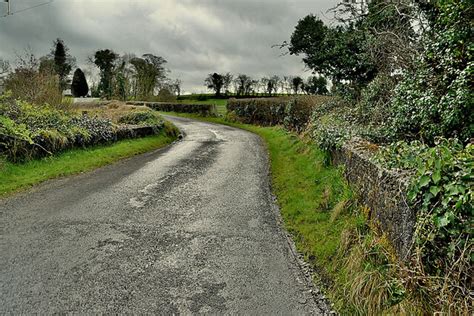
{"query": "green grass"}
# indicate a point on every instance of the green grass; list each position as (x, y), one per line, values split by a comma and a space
(15, 177)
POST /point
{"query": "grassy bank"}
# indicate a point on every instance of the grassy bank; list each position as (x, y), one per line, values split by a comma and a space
(18, 176)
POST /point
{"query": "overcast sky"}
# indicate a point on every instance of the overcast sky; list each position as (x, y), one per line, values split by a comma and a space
(196, 37)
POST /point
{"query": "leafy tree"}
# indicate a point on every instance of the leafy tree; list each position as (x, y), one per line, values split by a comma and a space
(63, 62)
(315, 85)
(296, 84)
(244, 85)
(215, 82)
(150, 74)
(336, 52)
(79, 86)
(105, 61)
(121, 82)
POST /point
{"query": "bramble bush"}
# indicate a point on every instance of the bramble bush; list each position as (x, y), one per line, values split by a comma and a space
(336, 121)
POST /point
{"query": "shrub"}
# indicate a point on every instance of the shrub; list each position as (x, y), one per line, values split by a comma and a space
(292, 112)
(34, 87)
(28, 131)
(92, 130)
(165, 95)
(141, 118)
(202, 109)
(263, 111)
(336, 121)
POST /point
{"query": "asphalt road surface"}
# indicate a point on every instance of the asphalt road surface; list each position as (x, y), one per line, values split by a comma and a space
(188, 229)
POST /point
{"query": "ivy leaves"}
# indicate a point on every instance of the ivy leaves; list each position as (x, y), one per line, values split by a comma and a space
(442, 192)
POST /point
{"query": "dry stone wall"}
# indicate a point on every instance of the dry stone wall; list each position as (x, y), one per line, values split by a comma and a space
(382, 191)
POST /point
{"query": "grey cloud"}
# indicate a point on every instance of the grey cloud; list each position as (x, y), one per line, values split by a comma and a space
(197, 37)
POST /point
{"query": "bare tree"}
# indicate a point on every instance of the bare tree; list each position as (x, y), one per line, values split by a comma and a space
(26, 82)
(4, 67)
(263, 84)
(394, 29)
(275, 83)
(245, 85)
(288, 84)
(228, 77)
(176, 86)
(296, 83)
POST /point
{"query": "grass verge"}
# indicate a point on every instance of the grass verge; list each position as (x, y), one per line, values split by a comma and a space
(18, 176)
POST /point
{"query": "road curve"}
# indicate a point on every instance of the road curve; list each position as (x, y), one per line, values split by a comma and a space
(187, 229)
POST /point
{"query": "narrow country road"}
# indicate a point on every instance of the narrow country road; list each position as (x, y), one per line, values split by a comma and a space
(187, 229)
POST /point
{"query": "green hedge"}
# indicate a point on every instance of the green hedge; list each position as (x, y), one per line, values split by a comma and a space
(31, 131)
(202, 109)
(292, 112)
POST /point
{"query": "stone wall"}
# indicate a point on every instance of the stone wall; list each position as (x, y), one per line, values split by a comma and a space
(133, 131)
(382, 191)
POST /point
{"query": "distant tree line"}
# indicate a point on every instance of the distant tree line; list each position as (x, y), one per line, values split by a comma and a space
(243, 85)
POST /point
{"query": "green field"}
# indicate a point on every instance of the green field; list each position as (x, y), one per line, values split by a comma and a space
(15, 176)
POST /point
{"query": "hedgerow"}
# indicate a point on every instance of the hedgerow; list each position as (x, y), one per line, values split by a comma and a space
(30, 131)
(202, 109)
(291, 112)
(141, 118)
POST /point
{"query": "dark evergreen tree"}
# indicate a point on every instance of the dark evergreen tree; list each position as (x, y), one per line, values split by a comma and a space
(79, 87)
(63, 62)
